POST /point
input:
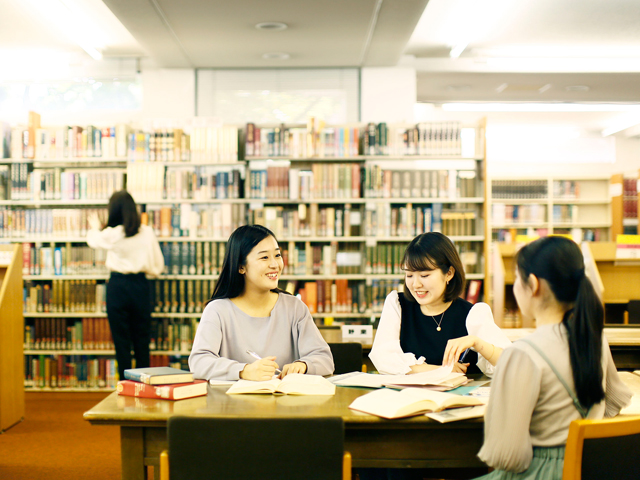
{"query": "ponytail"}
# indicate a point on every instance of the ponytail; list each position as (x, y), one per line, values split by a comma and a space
(584, 324)
(560, 262)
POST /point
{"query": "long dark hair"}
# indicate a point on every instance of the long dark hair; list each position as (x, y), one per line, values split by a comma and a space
(559, 261)
(231, 282)
(431, 251)
(122, 211)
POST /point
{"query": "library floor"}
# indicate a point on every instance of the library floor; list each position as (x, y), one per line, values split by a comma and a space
(55, 443)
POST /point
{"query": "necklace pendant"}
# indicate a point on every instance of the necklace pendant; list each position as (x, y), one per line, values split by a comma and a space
(438, 329)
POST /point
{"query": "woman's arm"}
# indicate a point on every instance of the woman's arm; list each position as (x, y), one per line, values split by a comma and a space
(205, 361)
(386, 354)
(485, 337)
(514, 395)
(314, 352)
(617, 394)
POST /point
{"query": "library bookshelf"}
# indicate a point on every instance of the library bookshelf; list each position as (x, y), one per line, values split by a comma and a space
(580, 206)
(342, 215)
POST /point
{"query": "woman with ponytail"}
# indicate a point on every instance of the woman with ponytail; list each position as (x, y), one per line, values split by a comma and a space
(560, 373)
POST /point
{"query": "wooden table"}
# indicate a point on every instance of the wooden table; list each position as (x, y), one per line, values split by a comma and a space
(416, 442)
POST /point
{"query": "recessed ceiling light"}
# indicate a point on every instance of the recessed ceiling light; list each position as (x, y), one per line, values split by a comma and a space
(577, 88)
(276, 56)
(458, 88)
(273, 26)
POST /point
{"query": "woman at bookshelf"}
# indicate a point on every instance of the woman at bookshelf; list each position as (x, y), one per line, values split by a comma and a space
(133, 253)
(429, 325)
(562, 372)
(250, 327)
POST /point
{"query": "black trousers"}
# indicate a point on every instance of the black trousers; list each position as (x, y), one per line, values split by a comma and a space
(129, 311)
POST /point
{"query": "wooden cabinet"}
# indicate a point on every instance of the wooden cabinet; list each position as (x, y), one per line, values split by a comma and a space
(11, 332)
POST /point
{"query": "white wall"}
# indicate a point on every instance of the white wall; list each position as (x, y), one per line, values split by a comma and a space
(387, 95)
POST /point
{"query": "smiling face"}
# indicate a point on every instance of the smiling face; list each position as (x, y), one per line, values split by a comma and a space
(263, 267)
(427, 287)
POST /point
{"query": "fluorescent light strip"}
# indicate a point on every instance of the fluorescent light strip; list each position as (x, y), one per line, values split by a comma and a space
(539, 107)
(457, 50)
(620, 127)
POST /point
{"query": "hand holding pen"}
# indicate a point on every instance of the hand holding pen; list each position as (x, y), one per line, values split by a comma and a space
(260, 370)
(457, 350)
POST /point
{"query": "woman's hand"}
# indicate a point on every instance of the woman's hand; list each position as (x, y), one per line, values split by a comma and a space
(456, 347)
(260, 370)
(94, 222)
(295, 367)
(460, 367)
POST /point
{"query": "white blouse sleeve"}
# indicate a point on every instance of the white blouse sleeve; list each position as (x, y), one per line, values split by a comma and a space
(481, 324)
(386, 354)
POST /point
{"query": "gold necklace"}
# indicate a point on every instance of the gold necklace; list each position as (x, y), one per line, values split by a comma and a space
(437, 323)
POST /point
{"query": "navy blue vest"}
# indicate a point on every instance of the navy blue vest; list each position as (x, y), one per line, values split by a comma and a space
(419, 336)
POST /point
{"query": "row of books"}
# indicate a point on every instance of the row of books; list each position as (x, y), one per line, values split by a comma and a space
(159, 182)
(566, 189)
(64, 296)
(381, 182)
(68, 334)
(437, 139)
(22, 182)
(33, 141)
(46, 222)
(181, 296)
(277, 180)
(578, 234)
(69, 371)
(298, 142)
(63, 259)
(193, 258)
(502, 214)
(159, 145)
(520, 189)
(188, 220)
(173, 335)
(310, 220)
(630, 198)
(565, 213)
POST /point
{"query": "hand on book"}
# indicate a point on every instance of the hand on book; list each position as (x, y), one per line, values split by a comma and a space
(295, 367)
(460, 367)
(260, 370)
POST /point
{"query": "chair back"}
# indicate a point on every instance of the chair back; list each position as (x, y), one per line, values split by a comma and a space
(347, 357)
(602, 449)
(227, 448)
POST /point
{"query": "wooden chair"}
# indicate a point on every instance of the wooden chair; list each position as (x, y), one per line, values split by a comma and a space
(347, 357)
(228, 448)
(603, 449)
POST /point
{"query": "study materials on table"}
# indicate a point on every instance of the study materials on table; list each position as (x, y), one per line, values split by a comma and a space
(442, 377)
(175, 391)
(389, 403)
(293, 384)
(455, 414)
(158, 375)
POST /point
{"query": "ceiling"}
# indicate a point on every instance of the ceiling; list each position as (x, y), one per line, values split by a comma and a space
(529, 50)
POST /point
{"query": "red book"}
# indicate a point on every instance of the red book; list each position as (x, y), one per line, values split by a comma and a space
(176, 391)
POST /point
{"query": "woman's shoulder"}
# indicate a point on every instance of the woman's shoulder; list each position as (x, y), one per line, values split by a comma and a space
(217, 306)
(286, 300)
(461, 305)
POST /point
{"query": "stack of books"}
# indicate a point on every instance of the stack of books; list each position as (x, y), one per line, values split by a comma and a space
(161, 382)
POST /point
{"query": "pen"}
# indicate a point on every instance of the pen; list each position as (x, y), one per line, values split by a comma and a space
(464, 354)
(255, 355)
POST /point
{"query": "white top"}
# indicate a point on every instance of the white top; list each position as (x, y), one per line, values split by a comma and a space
(387, 355)
(529, 407)
(139, 253)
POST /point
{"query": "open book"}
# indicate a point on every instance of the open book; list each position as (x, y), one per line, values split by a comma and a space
(293, 384)
(389, 403)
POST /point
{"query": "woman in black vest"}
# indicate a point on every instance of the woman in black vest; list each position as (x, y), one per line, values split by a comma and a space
(429, 325)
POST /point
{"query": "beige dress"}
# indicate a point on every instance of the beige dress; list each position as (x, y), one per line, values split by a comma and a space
(529, 407)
